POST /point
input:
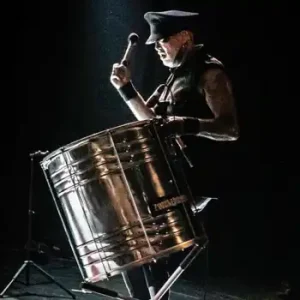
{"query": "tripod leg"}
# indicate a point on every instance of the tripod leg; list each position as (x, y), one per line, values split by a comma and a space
(181, 268)
(53, 280)
(127, 283)
(14, 278)
(149, 281)
(27, 273)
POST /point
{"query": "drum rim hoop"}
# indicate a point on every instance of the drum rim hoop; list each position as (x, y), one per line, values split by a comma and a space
(67, 147)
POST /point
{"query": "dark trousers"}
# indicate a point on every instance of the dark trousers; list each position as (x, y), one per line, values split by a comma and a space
(136, 282)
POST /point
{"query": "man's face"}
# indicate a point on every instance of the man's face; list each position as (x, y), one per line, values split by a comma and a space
(168, 48)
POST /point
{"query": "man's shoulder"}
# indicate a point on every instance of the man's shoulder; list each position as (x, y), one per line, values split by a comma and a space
(202, 55)
(213, 61)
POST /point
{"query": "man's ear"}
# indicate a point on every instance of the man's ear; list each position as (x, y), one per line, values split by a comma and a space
(187, 35)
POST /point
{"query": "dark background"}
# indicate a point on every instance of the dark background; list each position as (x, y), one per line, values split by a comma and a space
(56, 67)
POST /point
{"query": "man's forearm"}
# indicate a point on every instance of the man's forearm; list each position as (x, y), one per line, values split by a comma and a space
(214, 129)
(218, 130)
(139, 108)
(136, 103)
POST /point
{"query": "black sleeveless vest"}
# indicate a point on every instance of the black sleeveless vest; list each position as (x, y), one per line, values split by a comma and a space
(183, 96)
(183, 93)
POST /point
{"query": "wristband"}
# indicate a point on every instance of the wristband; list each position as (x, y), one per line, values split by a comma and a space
(127, 91)
(191, 126)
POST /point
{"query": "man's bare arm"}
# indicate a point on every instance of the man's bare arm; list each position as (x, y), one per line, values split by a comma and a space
(121, 79)
(218, 94)
(136, 103)
(138, 107)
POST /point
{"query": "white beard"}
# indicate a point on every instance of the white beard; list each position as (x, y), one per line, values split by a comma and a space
(168, 63)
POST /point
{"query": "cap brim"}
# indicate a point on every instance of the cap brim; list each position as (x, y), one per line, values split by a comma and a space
(172, 26)
(152, 39)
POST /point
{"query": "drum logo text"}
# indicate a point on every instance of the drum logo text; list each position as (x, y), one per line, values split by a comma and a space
(170, 202)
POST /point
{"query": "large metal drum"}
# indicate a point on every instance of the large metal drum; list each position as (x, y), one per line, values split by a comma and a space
(118, 199)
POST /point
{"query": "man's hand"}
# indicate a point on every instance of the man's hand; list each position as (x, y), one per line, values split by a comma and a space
(120, 75)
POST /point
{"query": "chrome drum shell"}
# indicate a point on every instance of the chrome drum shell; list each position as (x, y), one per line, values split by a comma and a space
(118, 199)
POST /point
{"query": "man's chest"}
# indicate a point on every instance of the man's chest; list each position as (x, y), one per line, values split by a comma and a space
(177, 90)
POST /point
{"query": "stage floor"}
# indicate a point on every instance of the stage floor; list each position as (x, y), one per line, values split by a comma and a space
(66, 272)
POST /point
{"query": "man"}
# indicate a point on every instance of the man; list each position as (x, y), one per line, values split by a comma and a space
(196, 102)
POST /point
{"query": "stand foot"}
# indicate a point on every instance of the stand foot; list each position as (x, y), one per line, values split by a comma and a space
(14, 278)
(91, 288)
(26, 265)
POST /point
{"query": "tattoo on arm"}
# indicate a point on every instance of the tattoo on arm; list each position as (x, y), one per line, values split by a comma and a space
(218, 93)
(219, 97)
